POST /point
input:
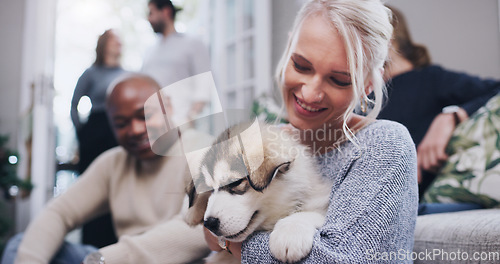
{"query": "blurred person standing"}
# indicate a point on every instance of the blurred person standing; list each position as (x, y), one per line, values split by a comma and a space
(95, 135)
(175, 57)
(93, 83)
(428, 99)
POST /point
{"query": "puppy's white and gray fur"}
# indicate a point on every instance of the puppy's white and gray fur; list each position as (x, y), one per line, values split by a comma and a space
(285, 195)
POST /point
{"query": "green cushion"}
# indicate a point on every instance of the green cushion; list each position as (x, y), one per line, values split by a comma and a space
(472, 172)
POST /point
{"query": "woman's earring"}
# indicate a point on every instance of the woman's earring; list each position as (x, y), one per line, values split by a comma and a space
(364, 105)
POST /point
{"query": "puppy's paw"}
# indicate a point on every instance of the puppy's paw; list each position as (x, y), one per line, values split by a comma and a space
(292, 238)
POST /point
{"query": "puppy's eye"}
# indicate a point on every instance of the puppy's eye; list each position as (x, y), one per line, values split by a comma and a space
(238, 187)
(235, 184)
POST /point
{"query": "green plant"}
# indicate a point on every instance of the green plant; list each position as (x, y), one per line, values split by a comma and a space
(9, 182)
(266, 109)
(5, 225)
(10, 185)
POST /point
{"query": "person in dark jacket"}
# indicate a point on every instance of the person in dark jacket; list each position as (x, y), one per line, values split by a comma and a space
(428, 99)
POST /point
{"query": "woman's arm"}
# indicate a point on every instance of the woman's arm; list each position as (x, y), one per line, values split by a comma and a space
(82, 88)
(431, 151)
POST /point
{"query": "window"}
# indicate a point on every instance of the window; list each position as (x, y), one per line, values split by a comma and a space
(240, 38)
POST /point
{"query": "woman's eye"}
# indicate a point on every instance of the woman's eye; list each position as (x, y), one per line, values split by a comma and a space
(339, 82)
(299, 67)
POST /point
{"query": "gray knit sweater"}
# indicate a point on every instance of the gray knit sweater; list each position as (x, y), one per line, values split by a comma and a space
(373, 203)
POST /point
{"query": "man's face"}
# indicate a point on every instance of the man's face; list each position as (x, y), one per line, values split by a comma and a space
(125, 108)
(156, 18)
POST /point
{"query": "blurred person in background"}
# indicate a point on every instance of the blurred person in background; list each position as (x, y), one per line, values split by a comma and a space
(95, 135)
(175, 57)
(143, 191)
(93, 83)
(429, 100)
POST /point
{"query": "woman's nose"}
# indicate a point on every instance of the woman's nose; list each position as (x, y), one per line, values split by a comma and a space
(312, 91)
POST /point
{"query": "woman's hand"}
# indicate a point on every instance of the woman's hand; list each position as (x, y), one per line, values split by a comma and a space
(211, 240)
(213, 244)
(431, 153)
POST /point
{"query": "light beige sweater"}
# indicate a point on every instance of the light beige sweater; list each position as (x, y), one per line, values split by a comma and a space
(146, 199)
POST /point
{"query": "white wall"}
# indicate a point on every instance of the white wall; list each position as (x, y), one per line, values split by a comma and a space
(462, 35)
(283, 16)
(11, 33)
(26, 52)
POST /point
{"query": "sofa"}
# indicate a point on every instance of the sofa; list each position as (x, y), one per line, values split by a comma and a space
(459, 237)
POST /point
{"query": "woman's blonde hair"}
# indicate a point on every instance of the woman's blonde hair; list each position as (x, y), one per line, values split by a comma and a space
(365, 26)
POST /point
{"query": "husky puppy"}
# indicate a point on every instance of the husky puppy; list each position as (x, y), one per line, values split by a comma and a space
(260, 179)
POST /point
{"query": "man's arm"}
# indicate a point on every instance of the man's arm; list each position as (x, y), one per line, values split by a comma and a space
(170, 242)
(85, 199)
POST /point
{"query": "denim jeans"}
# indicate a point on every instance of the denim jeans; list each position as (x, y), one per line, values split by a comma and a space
(69, 253)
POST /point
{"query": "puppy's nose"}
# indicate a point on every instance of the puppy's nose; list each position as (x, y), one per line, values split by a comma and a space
(212, 224)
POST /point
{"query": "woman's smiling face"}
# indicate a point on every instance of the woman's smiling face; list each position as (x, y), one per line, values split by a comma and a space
(317, 86)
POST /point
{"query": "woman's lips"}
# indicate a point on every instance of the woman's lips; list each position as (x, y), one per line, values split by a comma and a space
(306, 109)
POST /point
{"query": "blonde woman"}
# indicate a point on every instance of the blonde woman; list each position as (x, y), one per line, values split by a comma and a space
(334, 59)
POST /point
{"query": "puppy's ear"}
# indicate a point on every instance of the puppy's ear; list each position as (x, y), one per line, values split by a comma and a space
(197, 205)
(191, 192)
(260, 180)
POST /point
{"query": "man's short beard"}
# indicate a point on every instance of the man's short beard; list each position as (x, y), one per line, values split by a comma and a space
(159, 27)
